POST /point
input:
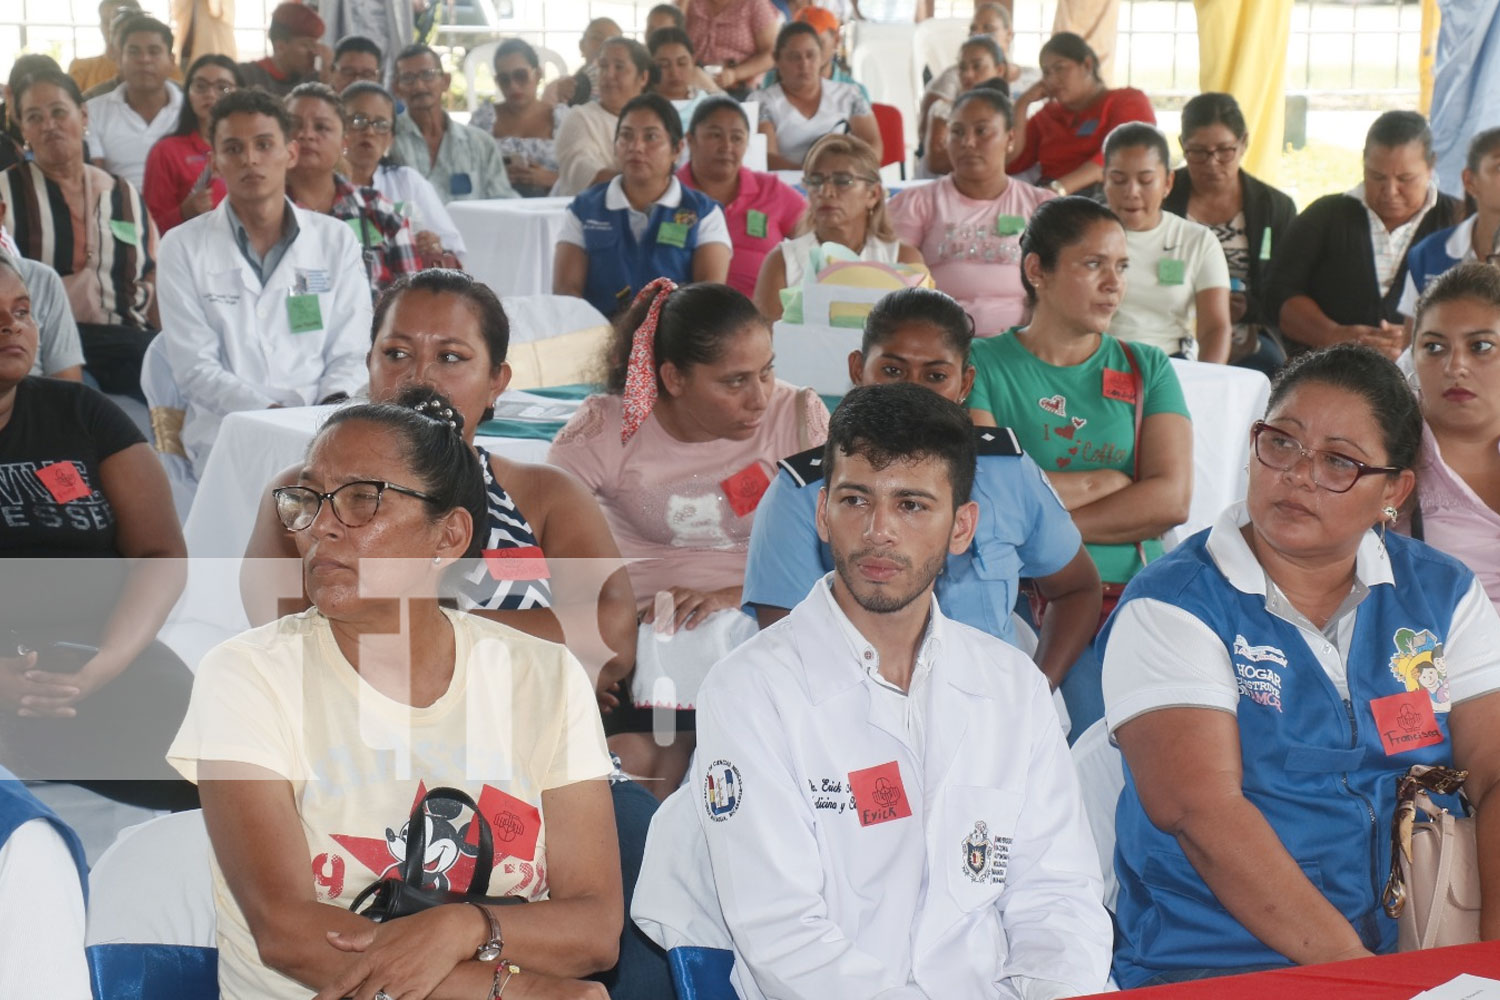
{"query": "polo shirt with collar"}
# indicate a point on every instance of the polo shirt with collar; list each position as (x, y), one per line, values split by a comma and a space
(263, 266)
(1390, 245)
(468, 166)
(711, 228)
(764, 205)
(120, 139)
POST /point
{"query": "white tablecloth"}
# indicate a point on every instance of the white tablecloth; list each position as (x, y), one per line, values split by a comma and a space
(511, 241)
(252, 447)
(1223, 401)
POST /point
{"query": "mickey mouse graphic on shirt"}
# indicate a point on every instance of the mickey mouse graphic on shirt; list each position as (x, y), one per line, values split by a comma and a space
(1418, 663)
(446, 843)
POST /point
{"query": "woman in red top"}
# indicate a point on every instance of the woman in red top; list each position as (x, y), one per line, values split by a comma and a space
(1065, 139)
(180, 182)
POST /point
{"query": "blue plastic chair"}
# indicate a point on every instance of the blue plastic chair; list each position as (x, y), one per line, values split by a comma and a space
(701, 973)
(150, 971)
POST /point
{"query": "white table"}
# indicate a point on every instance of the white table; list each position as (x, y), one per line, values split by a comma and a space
(252, 447)
(510, 241)
(1223, 401)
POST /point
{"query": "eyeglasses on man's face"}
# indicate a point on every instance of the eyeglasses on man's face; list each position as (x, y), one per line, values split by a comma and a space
(421, 76)
(354, 504)
(1332, 471)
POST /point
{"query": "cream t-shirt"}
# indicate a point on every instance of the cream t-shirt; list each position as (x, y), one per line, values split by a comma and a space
(1169, 266)
(518, 719)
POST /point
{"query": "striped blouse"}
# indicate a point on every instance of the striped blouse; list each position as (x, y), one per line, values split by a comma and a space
(120, 253)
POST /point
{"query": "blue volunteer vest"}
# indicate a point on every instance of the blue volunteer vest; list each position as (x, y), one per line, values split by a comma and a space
(1429, 258)
(1322, 771)
(18, 806)
(619, 265)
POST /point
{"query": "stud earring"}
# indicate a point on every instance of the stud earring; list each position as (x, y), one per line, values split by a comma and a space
(437, 560)
(1390, 513)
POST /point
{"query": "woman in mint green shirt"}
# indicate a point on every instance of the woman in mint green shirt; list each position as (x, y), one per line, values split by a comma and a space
(1070, 393)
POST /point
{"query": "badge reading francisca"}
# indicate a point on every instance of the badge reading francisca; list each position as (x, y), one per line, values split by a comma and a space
(721, 790)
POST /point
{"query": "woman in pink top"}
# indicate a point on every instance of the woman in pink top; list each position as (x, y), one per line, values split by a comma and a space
(735, 35)
(760, 209)
(678, 450)
(1456, 352)
(179, 181)
(968, 224)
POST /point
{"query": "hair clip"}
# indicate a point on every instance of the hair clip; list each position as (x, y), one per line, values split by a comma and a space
(434, 410)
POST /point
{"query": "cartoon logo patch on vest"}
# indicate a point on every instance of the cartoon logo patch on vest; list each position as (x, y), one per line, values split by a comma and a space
(685, 217)
(1257, 671)
(1418, 663)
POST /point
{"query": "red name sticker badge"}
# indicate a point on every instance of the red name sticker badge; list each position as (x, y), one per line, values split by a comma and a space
(521, 562)
(1119, 385)
(514, 823)
(1406, 721)
(879, 796)
(744, 489)
(63, 482)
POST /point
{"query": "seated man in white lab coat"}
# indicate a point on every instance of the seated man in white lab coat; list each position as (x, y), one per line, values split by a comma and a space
(263, 304)
(889, 806)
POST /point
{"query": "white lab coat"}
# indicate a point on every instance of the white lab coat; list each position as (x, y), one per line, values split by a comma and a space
(229, 341)
(820, 906)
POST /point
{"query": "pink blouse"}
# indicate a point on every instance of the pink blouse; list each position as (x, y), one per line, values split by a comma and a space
(1455, 520)
(728, 37)
(684, 509)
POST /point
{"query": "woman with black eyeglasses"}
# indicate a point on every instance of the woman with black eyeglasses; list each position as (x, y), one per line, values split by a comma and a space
(522, 123)
(845, 205)
(368, 133)
(1248, 216)
(180, 182)
(1271, 680)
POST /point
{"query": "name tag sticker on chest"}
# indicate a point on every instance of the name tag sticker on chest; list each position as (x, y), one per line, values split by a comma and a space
(1010, 225)
(460, 184)
(1406, 721)
(1119, 386)
(755, 224)
(303, 313)
(515, 824)
(367, 234)
(311, 280)
(1087, 128)
(1171, 271)
(63, 482)
(125, 232)
(672, 234)
(522, 562)
(879, 795)
(744, 489)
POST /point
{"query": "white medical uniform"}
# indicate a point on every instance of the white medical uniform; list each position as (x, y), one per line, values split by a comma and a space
(867, 842)
(230, 342)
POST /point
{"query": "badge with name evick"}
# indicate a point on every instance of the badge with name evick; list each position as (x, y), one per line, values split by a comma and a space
(1119, 386)
(879, 795)
(977, 853)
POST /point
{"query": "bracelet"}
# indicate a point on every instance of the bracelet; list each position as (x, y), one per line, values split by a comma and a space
(497, 986)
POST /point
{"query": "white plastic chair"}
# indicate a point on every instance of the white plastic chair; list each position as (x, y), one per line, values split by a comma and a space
(483, 57)
(167, 407)
(151, 920)
(1101, 775)
(881, 57)
(935, 44)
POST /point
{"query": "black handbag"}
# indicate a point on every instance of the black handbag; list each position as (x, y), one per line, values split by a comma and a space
(390, 898)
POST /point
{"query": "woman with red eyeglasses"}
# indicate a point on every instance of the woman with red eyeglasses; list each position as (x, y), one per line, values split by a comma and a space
(1272, 679)
(522, 123)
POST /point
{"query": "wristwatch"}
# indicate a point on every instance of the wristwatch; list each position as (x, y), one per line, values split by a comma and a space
(1058, 187)
(491, 949)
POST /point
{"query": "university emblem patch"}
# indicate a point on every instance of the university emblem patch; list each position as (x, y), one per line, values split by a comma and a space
(977, 852)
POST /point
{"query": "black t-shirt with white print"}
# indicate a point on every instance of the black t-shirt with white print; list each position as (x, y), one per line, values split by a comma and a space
(51, 501)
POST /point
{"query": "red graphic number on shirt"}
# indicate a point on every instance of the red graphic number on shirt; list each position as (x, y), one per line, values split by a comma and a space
(1119, 386)
(515, 824)
(879, 795)
(328, 873)
(63, 482)
(744, 489)
(1406, 721)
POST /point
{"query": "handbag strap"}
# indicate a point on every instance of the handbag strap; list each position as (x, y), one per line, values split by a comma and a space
(1435, 909)
(416, 841)
(1138, 390)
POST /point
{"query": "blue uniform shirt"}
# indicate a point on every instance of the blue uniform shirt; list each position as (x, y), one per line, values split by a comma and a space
(1023, 531)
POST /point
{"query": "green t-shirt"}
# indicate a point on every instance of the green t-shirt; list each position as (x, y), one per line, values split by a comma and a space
(1076, 417)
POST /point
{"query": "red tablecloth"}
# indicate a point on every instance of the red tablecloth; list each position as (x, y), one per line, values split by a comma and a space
(1385, 977)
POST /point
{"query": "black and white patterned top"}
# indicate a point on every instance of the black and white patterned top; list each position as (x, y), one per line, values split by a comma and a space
(512, 575)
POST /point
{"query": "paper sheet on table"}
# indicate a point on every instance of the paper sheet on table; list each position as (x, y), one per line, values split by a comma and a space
(1465, 987)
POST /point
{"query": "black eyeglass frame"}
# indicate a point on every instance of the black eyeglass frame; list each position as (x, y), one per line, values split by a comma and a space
(1361, 469)
(380, 487)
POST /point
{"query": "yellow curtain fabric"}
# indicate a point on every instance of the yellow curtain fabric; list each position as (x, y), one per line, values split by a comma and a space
(1242, 51)
(1431, 19)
